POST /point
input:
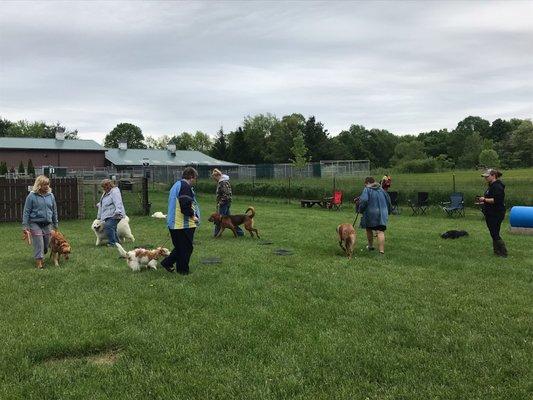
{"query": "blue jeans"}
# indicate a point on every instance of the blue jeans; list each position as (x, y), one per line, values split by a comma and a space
(110, 229)
(223, 209)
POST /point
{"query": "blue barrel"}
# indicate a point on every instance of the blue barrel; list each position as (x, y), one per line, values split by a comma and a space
(521, 217)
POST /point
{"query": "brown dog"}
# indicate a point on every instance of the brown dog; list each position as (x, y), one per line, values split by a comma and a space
(58, 247)
(346, 238)
(232, 221)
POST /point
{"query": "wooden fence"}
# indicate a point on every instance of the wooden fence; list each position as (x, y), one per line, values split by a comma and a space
(13, 193)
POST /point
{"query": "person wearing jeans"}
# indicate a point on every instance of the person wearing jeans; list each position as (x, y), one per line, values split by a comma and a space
(182, 219)
(110, 210)
(223, 198)
(39, 217)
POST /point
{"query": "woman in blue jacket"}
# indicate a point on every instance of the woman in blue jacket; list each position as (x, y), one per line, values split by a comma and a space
(375, 205)
(39, 217)
(110, 210)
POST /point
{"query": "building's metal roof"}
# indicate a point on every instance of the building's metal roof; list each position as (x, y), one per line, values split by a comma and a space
(49, 144)
(134, 158)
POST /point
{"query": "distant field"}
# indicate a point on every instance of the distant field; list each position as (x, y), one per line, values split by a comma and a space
(519, 184)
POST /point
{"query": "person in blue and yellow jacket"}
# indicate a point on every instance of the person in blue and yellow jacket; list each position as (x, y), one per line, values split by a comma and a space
(182, 219)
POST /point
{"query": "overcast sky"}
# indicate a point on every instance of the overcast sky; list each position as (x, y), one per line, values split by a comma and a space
(170, 67)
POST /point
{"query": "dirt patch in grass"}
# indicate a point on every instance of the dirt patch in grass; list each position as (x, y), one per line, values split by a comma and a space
(91, 356)
(109, 357)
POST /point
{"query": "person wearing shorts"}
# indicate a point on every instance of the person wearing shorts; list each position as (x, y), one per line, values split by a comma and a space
(375, 207)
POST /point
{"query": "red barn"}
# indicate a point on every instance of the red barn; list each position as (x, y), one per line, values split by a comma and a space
(75, 154)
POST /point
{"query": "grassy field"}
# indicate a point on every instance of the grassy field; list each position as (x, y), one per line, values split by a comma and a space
(432, 319)
(439, 185)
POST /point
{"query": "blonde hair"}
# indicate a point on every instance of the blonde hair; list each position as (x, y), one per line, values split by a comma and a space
(216, 173)
(39, 182)
(107, 182)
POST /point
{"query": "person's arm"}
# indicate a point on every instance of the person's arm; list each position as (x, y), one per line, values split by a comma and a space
(117, 201)
(363, 201)
(497, 194)
(185, 199)
(224, 192)
(26, 212)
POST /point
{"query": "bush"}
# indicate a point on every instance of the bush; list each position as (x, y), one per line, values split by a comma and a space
(413, 166)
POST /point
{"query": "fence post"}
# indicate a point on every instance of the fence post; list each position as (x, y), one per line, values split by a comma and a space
(253, 188)
(145, 204)
(289, 190)
(453, 182)
(334, 183)
(81, 199)
(95, 194)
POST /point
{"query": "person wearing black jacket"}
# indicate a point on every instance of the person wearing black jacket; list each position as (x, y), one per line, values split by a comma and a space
(493, 202)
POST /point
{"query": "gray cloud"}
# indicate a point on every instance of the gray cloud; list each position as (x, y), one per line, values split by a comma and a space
(184, 66)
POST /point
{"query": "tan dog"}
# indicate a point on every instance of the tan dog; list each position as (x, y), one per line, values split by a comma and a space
(232, 221)
(58, 247)
(346, 238)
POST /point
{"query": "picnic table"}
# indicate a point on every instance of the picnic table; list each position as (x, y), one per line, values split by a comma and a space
(311, 203)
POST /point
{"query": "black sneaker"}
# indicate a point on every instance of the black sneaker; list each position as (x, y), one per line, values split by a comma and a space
(169, 268)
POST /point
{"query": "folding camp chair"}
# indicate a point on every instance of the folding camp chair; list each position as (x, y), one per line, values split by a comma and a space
(334, 202)
(456, 205)
(394, 202)
(420, 204)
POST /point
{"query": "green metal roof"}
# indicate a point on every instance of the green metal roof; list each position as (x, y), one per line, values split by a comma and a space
(134, 157)
(49, 144)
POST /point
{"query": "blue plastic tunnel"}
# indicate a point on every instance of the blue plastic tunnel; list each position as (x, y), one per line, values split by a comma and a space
(521, 217)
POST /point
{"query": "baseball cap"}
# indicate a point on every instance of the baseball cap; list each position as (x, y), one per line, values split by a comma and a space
(488, 172)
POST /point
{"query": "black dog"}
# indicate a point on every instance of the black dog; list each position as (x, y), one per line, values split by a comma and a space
(453, 234)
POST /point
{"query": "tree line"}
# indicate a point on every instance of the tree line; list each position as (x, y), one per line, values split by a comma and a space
(264, 138)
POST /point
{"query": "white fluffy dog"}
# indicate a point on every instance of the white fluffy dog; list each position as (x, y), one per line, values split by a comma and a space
(123, 230)
(158, 214)
(139, 258)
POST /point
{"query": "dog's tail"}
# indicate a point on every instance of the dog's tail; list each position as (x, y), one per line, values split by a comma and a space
(121, 250)
(252, 210)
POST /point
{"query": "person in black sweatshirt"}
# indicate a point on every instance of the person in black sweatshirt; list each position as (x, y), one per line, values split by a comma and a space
(493, 202)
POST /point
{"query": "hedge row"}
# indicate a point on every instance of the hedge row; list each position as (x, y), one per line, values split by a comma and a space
(298, 191)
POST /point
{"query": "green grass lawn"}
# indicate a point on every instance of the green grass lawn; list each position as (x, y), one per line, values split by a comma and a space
(432, 319)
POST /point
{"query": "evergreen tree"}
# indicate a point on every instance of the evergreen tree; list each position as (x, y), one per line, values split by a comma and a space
(238, 151)
(220, 146)
(3, 168)
(31, 168)
(21, 169)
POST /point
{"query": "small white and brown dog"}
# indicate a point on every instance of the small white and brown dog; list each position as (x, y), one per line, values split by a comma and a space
(123, 230)
(346, 238)
(140, 258)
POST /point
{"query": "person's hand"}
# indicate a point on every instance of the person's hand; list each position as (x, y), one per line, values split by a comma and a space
(195, 219)
(481, 199)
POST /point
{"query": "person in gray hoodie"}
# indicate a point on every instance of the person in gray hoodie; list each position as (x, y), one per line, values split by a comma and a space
(224, 194)
(110, 210)
(375, 207)
(39, 216)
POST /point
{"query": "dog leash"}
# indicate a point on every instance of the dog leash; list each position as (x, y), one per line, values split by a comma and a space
(166, 240)
(355, 220)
